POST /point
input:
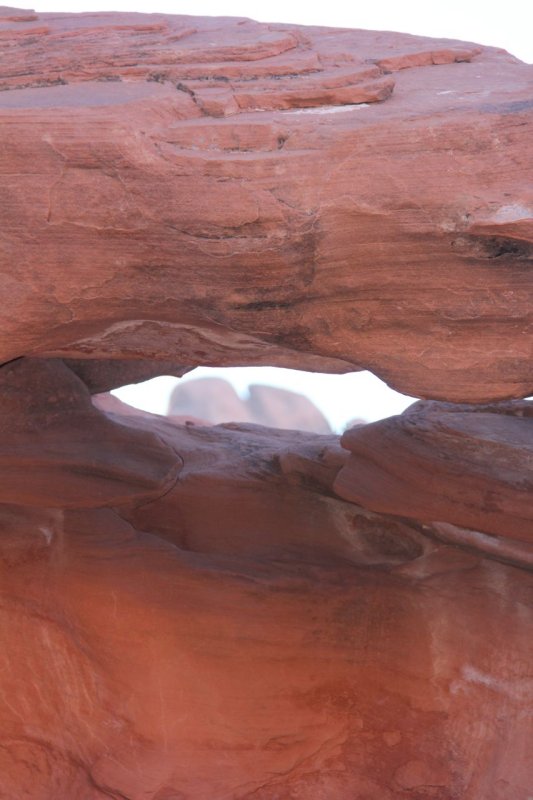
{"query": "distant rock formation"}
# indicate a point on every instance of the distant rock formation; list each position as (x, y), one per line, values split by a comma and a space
(212, 399)
(215, 400)
(282, 408)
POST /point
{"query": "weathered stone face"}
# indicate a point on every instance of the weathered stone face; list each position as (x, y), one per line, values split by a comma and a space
(219, 191)
(192, 612)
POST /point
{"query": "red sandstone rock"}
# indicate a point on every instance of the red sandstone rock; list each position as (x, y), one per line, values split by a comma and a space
(57, 451)
(246, 634)
(103, 375)
(218, 191)
(194, 612)
(437, 462)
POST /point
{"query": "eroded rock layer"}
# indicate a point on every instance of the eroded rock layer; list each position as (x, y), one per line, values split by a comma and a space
(203, 191)
(467, 465)
(232, 612)
(193, 612)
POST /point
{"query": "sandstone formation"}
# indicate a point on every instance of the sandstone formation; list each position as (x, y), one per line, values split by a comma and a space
(467, 465)
(234, 612)
(219, 191)
(215, 400)
(217, 623)
(212, 399)
(282, 408)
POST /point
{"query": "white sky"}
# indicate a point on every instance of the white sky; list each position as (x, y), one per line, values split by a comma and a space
(506, 24)
(341, 398)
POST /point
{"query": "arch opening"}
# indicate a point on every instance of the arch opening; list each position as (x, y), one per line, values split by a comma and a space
(272, 396)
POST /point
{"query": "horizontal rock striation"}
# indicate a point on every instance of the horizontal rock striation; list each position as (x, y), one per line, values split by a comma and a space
(467, 465)
(232, 612)
(219, 191)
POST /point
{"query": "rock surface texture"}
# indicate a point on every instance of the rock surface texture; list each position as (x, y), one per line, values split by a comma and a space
(234, 612)
(218, 191)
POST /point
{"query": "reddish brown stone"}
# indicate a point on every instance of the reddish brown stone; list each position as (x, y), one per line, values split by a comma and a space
(219, 191)
(103, 375)
(193, 612)
(57, 451)
(248, 635)
(437, 462)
